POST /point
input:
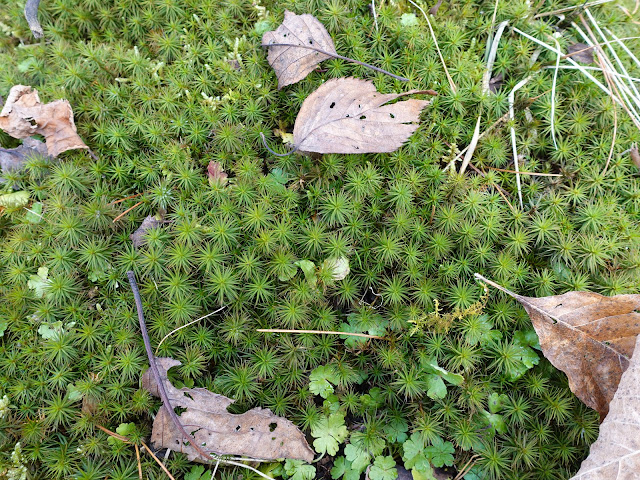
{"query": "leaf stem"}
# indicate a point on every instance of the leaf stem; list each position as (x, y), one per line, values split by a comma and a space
(335, 55)
(264, 142)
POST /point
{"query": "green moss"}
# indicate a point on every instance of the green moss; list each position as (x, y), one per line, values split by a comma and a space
(159, 89)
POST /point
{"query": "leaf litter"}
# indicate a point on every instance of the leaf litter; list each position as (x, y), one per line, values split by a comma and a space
(348, 115)
(257, 433)
(24, 115)
(299, 44)
(588, 336)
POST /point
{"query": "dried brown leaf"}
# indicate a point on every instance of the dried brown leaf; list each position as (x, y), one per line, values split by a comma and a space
(635, 156)
(293, 63)
(588, 336)
(257, 433)
(13, 159)
(215, 173)
(348, 115)
(581, 52)
(615, 455)
(24, 116)
(138, 237)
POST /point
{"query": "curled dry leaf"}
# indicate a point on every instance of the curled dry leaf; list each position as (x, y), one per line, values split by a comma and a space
(588, 336)
(13, 159)
(137, 237)
(348, 115)
(215, 173)
(257, 433)
(24, 116)
(293, 63)
(615, 455)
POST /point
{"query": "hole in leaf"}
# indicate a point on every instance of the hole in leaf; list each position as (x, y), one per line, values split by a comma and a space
(238, 428)
(188, 395)
(273, 438)
(179, 410)
(392, 115)
(347, 115)
(195, 431)
(362, 117)
(273, 426)
(333, 104)
(310, 42)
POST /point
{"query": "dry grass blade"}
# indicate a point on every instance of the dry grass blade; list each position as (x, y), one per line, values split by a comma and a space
(187, 325)
(435, 39)
(514, 147)
(319, 332)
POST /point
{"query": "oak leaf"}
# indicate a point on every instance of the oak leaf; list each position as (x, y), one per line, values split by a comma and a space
(348, 115)
(257, 433)
(588, 336)
(24, 115)
(292, 62)
(615, 455)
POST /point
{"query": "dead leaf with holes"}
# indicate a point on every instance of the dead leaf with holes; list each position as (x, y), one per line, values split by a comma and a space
(588, 336)
(257, 433)
(615, 455)
(24, 115)
(348, 115)
(293, 61)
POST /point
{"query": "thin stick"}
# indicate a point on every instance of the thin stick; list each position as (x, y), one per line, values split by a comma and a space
(138, 459)
(157, 460)
(126, 211)
(468, 466)
(186, 325)
(525, 300)
(156, 373)
(433, 35)
(321, 332)
(335, 55)
(123, 199)
(31, 14)
(126, 440)
(574, 7)
(514, 147)
(495, 185)
(526, 173)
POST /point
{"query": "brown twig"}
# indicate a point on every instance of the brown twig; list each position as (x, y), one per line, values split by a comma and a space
(321, 332)
(526, 173)
(156, 373)
(157, 460)
(138, 459)
(126, 211)
(126, 198)
(126, 440)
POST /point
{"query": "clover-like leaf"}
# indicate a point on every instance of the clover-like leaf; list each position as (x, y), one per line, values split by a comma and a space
(436, 388)
(321, 380)
(440, 453)
(329, 433)
(298, 470)
(383, 468)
